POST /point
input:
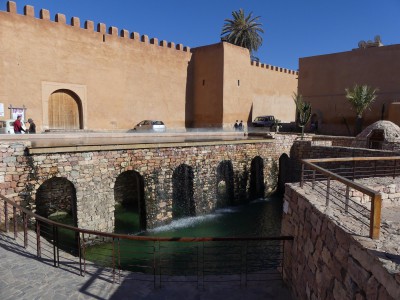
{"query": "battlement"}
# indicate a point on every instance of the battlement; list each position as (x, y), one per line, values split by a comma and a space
(44, 14)
(274, 68)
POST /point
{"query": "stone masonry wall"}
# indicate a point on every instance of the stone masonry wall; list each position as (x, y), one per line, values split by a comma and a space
(93, 175)
(326, 262)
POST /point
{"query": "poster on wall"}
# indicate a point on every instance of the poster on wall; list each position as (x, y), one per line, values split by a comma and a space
(1, 109)
(15, 112)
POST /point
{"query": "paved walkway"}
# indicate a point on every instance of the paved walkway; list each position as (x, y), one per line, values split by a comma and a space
(22, 276)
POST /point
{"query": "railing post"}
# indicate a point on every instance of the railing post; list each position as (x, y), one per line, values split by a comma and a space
(38, 248)
(346, 208)
(313, 180)
(25, 219)
(328, 185)
(80, 254)
(6, 220)
(243, 276)
(83, 253)
(113, 258)
(54, 246)
(375, 219)
(354, 169)
(302, 175)
(394, 169)
(15, 222)
(119, 262)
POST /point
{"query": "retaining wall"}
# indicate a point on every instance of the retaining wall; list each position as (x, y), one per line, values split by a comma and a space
(325, 261)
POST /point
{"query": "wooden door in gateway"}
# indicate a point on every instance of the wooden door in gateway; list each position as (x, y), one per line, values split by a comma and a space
(65, 110)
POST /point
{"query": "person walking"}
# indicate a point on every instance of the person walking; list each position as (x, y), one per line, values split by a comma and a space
(18, 125)
(32, 126)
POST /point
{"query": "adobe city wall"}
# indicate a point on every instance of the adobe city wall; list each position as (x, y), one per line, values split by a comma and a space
(93, 174)
(123, 77)
(324, 78)
(324, 261)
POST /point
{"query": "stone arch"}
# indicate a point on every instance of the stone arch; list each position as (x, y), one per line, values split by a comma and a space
(283, 175)
(225, 183)
(129, 193)
(55, 196)
(182, 195)
(257, 185)
(65, 110)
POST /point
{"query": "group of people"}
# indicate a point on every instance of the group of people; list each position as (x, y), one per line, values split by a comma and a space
(238, 126)
(18, 126)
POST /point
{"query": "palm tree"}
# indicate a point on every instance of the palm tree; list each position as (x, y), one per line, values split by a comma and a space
(303, 112)
(243, 31)
(360, 97)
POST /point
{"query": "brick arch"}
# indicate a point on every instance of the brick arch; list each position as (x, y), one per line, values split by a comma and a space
(56, 194)
(129, 191)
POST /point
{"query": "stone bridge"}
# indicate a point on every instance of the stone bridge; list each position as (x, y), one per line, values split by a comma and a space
(161, 181)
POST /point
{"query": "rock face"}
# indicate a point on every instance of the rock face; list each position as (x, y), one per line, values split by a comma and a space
(383, 135)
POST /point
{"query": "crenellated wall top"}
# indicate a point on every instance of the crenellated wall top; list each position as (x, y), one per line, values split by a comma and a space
(273, 68)
(44, 14)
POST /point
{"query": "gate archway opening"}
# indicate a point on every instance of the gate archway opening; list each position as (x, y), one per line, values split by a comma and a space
(182, 198)
(257, 185)
(65, 110)
(56, 200)
(225, 184)
(130, 210)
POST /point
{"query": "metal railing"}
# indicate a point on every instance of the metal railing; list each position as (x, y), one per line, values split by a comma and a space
(159, 259)
(327, 175)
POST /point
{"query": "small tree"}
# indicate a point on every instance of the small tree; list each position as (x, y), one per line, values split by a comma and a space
(304, 112)
(360, 98)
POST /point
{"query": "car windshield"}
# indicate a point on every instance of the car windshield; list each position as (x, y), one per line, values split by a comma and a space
(158, 123)
(2, 124)
(258, 119)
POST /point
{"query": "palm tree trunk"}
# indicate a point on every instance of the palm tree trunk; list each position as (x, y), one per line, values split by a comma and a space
(358, 125)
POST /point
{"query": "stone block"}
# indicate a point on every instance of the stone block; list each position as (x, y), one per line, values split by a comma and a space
(358, 274)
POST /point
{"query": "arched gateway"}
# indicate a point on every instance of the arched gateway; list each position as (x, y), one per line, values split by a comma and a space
(65, 110)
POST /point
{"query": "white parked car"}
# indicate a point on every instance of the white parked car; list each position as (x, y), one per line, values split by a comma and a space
(7, 126)
(150, 126)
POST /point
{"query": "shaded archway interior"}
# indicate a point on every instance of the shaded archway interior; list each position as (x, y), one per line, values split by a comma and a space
(130, 213)
(257, 185)
(182, 198)
(225, 184)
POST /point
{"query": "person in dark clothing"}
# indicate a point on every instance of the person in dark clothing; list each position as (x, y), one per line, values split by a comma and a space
(18, 125)
(236, 126)
(32, 126)
(240, 127)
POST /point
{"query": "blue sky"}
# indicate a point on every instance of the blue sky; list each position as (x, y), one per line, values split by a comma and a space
(293, 28)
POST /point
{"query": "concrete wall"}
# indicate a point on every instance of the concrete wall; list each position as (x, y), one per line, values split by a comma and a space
(323, 80)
